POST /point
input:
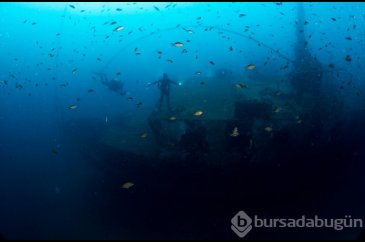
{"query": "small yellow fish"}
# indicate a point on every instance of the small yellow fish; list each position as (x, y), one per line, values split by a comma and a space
(240, 85)
(198, 113)
(127, 185)
(235, 132)
(251, 67)
(269, 129)
(277, 109)
(178, 44)
(143, 136)
(72, 107)
(119, 28)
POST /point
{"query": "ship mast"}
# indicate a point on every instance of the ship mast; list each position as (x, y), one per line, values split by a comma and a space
(307, 73)
(302, 54)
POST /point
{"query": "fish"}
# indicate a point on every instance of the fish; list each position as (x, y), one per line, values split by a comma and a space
(127, 185)
(106, 119)
(348, 38)
(348, 58)
(57, 190)
(178, 44)
(74, 71)
(18, 86)
(130, 98)
(278, 93)
(198, 73)
(235, 132)
(202, 83)
(198, 113)
(119, 28)
(143, 135)
(284, 67)
(139, 104)
(212, 63)
(173, 118)
(277, 109)
(71, 6)
(90, 90)
(113, 23)
(54, 151)
(333, 19)
(269, 129)
(72, 107)
(251, 67)
(240, 85)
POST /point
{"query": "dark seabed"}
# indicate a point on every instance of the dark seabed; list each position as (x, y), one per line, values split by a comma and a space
(165, 120)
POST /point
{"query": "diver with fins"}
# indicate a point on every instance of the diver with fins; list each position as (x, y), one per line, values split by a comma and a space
(113, 85)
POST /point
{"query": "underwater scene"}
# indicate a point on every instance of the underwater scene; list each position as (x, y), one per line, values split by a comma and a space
(182, 120)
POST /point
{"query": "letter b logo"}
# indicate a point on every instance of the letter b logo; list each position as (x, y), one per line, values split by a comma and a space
(241, 224)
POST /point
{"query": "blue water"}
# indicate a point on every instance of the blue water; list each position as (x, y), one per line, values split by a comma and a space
(61, 168)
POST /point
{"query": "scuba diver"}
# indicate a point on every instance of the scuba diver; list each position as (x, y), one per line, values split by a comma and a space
(113, 85)
(164, 85)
